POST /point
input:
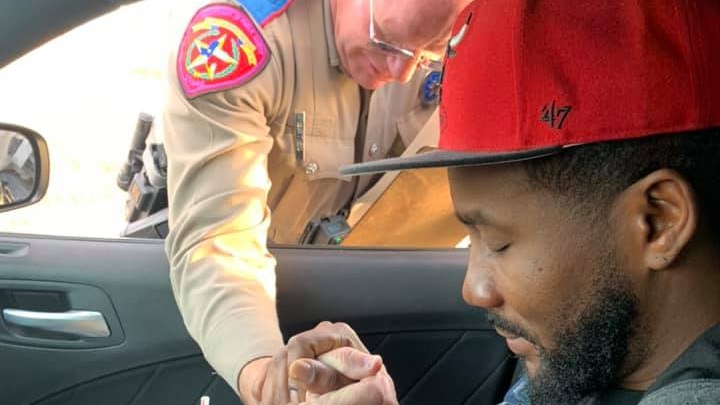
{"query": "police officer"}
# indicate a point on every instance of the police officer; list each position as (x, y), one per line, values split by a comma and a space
(267, 100)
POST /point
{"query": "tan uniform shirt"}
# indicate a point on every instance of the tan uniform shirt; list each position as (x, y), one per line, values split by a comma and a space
(259, 161)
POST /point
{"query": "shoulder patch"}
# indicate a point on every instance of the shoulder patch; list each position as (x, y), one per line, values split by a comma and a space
(221, 48)
(264, 11)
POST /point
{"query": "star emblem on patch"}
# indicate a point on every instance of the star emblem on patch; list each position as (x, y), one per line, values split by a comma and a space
(221, 48)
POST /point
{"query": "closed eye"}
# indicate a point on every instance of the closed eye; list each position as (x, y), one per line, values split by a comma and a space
(464, 220)
(469, 225)
(501, 249)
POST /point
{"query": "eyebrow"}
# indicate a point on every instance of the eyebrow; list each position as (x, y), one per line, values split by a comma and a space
(379, 32)
(474, 218)
(391, 38)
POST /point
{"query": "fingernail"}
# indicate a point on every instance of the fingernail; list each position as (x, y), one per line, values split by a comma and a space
(371, 362)
(302, 371)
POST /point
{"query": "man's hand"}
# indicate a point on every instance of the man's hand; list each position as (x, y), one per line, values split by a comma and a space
(373, 385)
(333, 370)
(265, 381)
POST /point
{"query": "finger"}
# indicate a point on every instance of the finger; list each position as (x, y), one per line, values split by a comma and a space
(316, 377)
(371, 391)
(325, 337)
(333, 370)
(352, 363)
(322, 339)
(275, 389)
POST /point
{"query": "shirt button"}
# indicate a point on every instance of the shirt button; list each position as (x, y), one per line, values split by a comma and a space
(374, 150)
(311, 168)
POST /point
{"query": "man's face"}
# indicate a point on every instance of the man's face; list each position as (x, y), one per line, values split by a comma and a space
(552, 282)
(415, 25)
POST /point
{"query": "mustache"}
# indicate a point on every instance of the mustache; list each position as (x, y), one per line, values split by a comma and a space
(503, 324)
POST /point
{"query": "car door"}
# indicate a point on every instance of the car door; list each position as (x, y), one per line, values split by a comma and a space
(87, 317)
(405, 305)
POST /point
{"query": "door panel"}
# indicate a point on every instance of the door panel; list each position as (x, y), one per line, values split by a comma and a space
(172, 382)
(406, 306)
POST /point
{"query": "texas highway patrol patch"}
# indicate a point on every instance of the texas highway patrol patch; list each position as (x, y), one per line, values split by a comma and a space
(222, 48)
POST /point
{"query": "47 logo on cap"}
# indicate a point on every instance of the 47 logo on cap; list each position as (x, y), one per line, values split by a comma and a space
(554, 116)
(222, 48)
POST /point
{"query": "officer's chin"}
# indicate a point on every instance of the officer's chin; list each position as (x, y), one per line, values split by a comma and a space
(373, 85)
(368, 77)
(372, 82)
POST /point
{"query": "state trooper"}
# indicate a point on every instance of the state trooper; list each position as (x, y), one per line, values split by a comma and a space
(267, 99)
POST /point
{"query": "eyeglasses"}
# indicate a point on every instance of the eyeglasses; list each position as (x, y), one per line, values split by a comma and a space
(421, 59)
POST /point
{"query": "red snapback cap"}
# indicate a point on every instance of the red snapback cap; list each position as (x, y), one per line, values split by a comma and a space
(527, 78)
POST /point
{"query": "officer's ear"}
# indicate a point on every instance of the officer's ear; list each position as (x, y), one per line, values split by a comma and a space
(660, 214)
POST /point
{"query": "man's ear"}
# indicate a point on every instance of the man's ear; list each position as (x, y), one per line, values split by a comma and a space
(662, 213)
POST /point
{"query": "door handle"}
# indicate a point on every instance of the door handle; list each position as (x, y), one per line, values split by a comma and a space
(8, 249)
(80, 324)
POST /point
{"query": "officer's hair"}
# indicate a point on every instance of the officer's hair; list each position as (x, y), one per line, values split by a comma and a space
(589, 177)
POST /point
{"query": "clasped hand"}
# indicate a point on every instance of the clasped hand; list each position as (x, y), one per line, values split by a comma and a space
(327, 365)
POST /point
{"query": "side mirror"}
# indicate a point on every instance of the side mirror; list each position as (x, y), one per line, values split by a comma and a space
(24, 167)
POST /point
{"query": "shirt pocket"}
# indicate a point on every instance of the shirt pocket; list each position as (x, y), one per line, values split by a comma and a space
(323, 145)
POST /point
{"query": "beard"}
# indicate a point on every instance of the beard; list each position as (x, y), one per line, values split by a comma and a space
(592, 350)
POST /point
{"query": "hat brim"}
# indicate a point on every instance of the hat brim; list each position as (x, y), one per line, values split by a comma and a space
(442, 158)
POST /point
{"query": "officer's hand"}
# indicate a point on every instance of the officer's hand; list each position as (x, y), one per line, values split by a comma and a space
(265, 381)
(374, 385)
(251, 380)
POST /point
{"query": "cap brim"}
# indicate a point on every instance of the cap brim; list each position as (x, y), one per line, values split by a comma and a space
(441, 158)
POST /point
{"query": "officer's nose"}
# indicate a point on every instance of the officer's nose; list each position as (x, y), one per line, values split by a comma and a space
(400, 68)
(479, 286)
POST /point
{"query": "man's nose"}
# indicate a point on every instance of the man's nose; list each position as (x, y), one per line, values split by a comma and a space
(479, 287)
(401, 69)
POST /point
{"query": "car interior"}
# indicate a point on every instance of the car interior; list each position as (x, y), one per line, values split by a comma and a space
(93, 320)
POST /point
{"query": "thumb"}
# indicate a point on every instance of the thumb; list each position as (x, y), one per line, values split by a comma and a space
(352, 363)
(316, 377)
(333, 370)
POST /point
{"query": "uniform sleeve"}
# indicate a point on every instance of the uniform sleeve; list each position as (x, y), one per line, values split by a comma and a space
(222, 276)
